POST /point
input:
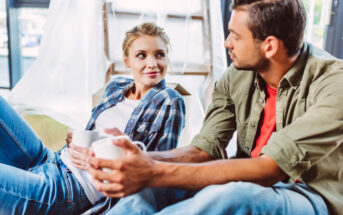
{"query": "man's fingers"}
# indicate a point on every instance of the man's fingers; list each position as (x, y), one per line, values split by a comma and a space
(105, 163)
(113, 190)
(115, 194)
(107, 186)
(125, 142)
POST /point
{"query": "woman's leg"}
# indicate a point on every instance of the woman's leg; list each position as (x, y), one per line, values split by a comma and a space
(49, 188)
(33, 179)
(246, 198)
(149, 201)
(19, 145)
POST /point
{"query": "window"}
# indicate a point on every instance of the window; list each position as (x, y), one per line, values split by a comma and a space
(318, 14)
(19, 42)
(190, 26)
(183, 24)
(31, 28)
(4, 67)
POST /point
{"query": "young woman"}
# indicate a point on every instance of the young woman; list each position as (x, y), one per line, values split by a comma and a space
(35, 180)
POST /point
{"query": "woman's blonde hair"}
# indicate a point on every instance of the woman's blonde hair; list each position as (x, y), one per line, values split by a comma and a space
(147, 28)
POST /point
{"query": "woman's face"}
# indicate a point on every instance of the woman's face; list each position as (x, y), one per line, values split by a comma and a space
(147, 59)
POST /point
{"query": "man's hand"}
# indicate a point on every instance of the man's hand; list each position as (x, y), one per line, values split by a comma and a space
(128, 174)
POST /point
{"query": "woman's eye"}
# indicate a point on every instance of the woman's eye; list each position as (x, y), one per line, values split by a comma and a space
(141, 55)
(160, 55)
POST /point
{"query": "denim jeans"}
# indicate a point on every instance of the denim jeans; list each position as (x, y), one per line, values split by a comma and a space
(33, 179)
(231, 198)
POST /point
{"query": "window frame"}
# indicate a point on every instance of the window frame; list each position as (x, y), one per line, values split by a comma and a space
(12, 22)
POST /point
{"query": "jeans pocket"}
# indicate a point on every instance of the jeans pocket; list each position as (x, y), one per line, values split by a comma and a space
(68, 184)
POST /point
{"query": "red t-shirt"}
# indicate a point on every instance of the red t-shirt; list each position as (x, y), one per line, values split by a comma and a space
(268, 124)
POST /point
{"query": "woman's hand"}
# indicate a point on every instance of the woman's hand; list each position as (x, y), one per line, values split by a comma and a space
(128, 174)
(78, 156)
(69, 138)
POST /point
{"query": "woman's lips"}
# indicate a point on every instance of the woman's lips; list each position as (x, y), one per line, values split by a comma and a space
(152, 74)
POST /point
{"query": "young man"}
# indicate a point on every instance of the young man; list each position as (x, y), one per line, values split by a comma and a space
(285, 99)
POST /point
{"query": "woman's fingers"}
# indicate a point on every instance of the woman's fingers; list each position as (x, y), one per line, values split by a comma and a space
(78, 156)
(69, 138)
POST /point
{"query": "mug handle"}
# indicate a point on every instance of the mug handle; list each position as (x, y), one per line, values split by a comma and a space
(142, 146)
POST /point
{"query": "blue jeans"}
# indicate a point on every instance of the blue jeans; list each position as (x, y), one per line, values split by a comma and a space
(33, 179)
(231, 198)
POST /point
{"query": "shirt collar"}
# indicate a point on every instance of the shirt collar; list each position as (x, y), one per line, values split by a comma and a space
(259, 82)
(155, 89)
(293, 76)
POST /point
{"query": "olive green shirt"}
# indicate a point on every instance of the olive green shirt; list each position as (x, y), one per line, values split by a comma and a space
(308, 141)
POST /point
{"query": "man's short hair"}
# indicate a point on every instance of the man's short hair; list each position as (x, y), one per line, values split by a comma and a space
(284, 19)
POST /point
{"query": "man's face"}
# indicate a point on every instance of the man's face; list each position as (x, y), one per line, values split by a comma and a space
(245, 52)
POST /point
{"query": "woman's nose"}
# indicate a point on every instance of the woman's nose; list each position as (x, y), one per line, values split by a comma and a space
(151, 62)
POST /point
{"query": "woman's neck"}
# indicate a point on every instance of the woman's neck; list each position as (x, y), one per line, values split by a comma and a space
(136, 93)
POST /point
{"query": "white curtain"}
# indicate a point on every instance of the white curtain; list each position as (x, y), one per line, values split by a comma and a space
(70, 65)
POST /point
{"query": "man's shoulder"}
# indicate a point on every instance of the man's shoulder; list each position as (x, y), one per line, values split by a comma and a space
(319, 60)
(238, 80)
(321, 69)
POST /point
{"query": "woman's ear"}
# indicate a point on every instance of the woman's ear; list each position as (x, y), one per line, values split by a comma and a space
(126, 61)
(271, 46)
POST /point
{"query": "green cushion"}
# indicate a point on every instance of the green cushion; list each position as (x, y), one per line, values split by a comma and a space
(51, 132)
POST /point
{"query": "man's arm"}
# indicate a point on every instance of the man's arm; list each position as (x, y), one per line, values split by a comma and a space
(137, 171)
(186, 154)
(262, 170)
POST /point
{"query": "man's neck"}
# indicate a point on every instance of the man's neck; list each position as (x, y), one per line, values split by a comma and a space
(277, 69)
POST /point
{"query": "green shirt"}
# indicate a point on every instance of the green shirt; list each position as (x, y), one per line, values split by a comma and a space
(308, 141)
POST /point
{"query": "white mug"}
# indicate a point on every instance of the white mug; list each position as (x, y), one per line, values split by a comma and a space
(104, 148)
(84, 138)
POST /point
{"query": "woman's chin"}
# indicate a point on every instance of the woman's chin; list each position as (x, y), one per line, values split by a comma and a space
(152, 81)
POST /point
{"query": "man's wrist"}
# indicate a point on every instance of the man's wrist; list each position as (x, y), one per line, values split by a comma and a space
(158, 171)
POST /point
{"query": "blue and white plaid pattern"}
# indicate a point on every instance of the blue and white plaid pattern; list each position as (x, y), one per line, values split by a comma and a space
(158, 119)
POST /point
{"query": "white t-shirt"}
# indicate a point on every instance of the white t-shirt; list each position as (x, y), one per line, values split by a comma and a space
(116, 116)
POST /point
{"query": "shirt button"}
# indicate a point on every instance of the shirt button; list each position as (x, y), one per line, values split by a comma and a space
(246, 148)
(252, 124)
(261, 101)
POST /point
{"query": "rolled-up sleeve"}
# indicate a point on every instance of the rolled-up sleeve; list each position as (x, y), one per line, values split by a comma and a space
(219, 123)
(316, 134)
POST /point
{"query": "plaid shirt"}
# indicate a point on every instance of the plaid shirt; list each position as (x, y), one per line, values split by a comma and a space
(158, 119)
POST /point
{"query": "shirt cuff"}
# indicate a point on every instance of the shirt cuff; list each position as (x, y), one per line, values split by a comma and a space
(210, 145)
(287, 155)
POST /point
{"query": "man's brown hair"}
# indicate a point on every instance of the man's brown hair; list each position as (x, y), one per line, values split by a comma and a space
(284, 19)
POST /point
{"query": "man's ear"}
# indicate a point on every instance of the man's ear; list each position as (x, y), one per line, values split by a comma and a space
(271, 46)
(126, 61)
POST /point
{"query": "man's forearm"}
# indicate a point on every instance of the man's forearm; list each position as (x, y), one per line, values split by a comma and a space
(187, 154)
(261, 170)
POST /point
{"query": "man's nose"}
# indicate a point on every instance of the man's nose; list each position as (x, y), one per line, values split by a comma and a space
(227, 43)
